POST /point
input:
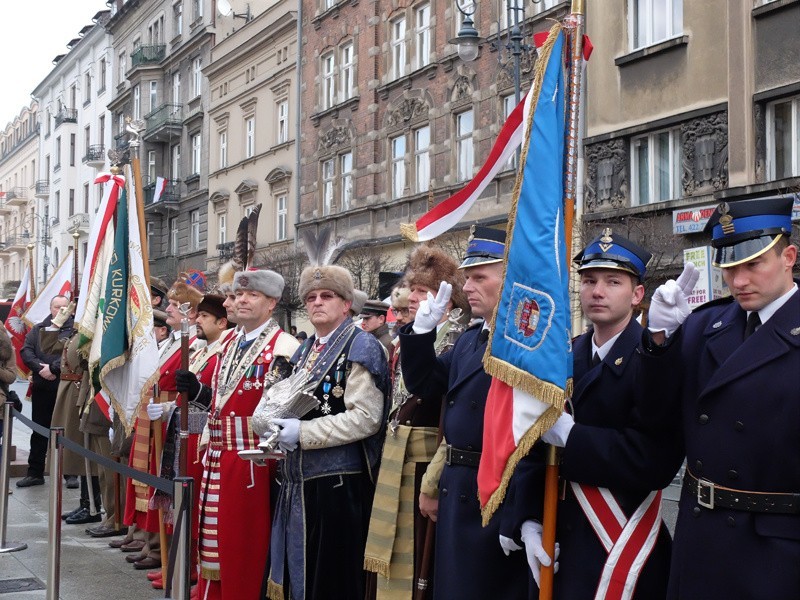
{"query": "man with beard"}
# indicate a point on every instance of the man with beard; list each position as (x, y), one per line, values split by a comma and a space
(235, 494)
(332, 453)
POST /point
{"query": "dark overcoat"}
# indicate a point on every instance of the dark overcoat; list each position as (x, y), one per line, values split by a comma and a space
(740, 403)
(470, 565)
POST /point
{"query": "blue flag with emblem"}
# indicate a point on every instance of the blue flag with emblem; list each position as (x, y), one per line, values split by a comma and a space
(529, 353)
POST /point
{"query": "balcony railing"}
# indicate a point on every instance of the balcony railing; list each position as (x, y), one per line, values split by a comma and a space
(148, 55)
(169, 197)
(42, 188)
(78, 222)
(95, 154)
(67, 115)
(17, 196)
(15, 243)
(164, 123)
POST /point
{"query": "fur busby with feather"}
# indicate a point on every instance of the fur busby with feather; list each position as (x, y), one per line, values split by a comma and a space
(244, 249)
(320, 275)
(182, 292)
(430, 265)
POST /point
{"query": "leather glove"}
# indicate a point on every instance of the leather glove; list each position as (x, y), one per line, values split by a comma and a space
(288, 433)
(669, 306)
(557, 435)
(532, 538)
(155, 410)
(431, 310)
(508, 545)
(186, 381)
(64, 313)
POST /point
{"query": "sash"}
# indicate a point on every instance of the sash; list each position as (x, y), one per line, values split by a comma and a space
(628, 541)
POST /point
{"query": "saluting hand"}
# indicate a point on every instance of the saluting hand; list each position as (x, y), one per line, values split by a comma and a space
(431, 310)
(670, 306)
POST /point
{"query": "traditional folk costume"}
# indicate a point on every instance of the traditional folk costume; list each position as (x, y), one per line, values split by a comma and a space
(235, 494)
(320, 526)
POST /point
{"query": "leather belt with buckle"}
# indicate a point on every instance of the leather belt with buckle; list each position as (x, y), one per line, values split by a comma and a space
(70, 377)
(456, 456)
(710, 495)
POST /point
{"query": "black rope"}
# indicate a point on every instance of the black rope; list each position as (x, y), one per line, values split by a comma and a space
(159, 483)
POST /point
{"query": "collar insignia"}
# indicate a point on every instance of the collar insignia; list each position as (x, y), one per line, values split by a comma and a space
(717, 325)
(618, 362)
(795, 331)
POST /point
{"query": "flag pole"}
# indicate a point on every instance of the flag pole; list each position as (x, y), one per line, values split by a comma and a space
(31, 271)
(135, 127)
(574, 27)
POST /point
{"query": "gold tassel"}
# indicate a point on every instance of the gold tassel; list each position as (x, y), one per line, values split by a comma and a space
(274, 590)
(409, 231)
(209, 574)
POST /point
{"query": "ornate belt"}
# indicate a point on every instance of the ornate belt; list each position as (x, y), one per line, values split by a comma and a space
(711, 495)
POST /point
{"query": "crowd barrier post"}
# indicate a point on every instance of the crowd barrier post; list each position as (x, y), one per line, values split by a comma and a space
(56, 454)
(5, 461)
(183, 496)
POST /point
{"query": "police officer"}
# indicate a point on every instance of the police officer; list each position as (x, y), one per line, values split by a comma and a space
(469, 562)
(617, 451)
(733, 365)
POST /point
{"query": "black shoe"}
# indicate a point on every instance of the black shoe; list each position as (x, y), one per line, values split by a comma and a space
(105, 531)
(29, 481)
(72, 482)
(83, 516)
(72, 512)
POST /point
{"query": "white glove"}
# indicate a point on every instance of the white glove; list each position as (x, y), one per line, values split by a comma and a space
(669, 306)
(288, 434)
(111, 434)
(508, 545)
(431, 310)
(557, 435)
(154, 411)
(537, 557)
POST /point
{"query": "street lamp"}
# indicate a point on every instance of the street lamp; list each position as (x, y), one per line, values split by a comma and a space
(468, 40)
(44, 238)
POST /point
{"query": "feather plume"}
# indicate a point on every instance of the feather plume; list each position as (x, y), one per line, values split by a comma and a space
(240, 246)
(320, 247)
(252, 228)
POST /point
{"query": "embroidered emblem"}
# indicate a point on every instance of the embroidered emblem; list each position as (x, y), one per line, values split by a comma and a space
(527, 316)
(244, 281)
(725, 220)
(318, 274)
(618, 362)
(717, 325)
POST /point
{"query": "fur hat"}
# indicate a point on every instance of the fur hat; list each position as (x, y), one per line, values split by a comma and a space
(359, 299)
(328, 277)
(267, 282)
(400, 295)
(429, 266)
(212, 304)
(182, 292)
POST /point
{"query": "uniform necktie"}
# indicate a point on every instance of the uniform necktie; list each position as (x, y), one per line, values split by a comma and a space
(483, 336)
(595, 359)
(753, 321)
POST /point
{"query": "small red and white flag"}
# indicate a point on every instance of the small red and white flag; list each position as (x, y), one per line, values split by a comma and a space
(161, 184)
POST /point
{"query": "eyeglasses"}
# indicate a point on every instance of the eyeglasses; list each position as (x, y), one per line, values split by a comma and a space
(400, 311)
(324, 296)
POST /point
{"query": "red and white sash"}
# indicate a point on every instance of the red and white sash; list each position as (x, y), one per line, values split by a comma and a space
(628, 541)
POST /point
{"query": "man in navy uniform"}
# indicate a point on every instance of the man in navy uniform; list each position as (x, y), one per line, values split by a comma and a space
(469, 562)
(734, 366)
(618, 449)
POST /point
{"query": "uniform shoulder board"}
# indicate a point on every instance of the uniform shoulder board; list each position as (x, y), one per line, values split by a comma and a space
(717, 302)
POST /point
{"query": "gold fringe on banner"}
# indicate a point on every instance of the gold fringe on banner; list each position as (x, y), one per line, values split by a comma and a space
(274, 590)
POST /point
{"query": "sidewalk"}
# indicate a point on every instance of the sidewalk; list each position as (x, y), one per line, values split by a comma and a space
(89, 568)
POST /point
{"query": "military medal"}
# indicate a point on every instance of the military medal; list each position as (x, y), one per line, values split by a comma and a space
(247, 385)
(338, 391)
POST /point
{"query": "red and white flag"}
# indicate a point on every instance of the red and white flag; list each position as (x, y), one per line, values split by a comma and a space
(15, 326)
(161, 184)
(60, 284)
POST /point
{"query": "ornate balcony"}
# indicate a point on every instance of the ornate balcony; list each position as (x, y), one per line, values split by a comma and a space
(78, 222)
(42, 188)
(148, 55)
(17, 196)
(95, 156)
(67, 115)
(169, 200)
(16, 243)
(164, 124)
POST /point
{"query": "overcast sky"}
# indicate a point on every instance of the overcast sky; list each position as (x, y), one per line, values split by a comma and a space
(34, 33)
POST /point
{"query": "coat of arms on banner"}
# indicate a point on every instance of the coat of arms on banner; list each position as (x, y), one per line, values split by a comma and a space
(533, 313)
